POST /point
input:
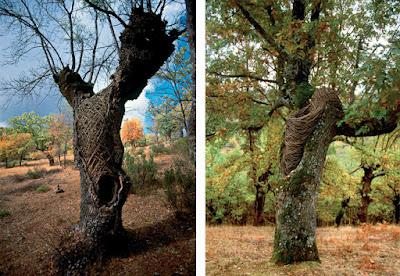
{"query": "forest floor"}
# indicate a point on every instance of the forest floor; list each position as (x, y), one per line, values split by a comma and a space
(33, 218)
(247, 250)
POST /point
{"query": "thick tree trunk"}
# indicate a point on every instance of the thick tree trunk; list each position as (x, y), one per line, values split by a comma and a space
(98, 149)
(308, 134)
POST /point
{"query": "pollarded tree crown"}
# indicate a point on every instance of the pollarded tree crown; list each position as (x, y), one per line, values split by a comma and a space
(145, 46)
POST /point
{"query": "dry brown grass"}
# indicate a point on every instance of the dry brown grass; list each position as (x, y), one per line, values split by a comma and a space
(30, 234)
(247, 250)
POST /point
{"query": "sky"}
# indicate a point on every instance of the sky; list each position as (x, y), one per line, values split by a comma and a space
(46, 101)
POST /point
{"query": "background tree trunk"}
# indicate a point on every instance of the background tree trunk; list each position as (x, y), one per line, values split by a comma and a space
(339, 216)
(50, 158)
(259, 206)
(366, 182)
(295, 239)
(396, 203)
(191, 27)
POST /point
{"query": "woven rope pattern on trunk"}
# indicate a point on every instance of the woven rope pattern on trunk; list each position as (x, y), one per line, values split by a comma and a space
(301, 125)
(95, 135)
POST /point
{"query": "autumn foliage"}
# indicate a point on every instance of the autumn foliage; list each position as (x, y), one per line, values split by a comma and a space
(132, 131)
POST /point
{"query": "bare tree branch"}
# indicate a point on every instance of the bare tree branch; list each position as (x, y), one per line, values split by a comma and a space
(109, 12)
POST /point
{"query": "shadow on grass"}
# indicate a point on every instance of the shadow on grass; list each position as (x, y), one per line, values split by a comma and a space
(162, 233)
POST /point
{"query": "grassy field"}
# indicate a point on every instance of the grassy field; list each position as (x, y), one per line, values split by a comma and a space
(34, 217)
(246, 250)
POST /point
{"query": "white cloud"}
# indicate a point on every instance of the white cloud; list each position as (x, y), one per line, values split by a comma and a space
(3, 124)
(137, 108)
(172, 10)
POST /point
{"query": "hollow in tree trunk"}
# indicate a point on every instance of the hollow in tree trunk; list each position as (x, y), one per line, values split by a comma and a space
(98, 149)
(308, 134)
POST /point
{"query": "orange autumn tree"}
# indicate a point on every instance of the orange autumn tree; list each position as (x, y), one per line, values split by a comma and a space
(132, 131)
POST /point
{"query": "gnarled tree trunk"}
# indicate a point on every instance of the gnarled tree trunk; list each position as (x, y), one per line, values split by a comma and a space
(308, 134)
(145, 46)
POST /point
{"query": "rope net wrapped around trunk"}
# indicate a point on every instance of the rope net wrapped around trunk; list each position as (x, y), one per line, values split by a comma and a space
(301, 125)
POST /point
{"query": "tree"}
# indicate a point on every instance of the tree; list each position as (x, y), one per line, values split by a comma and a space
(300, 57)
(22, 144)
(6, 146)
(132, 131)
(145, 44)
(60, 133)
(176, 73)
(167, 119)
(38, 128)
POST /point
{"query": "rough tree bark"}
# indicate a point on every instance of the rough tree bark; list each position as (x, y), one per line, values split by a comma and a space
(145, 46)
(295, 239)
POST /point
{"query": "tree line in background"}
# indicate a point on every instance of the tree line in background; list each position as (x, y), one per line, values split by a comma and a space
(360, 183)
(32, 136)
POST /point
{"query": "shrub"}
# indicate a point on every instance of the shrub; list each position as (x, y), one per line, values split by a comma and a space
(180, 186)
(231, 202)
(42, 189)
(181, 146)
(141, 171)
(35, 173)
(4, 213)
(160, 149)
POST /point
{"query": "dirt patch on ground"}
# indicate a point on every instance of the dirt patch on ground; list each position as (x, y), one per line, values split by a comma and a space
(247, 250)
(29, 235)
